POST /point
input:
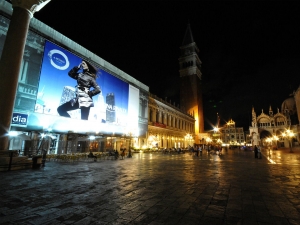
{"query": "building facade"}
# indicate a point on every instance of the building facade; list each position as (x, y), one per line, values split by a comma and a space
(169, 126)
(271, 129)
(141, 120)
(119, 112)
(231, 135)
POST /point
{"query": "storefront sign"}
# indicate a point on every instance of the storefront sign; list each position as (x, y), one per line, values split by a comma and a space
(19, 119)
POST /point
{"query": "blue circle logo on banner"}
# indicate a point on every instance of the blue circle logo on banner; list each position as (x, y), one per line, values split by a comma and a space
(58, 59)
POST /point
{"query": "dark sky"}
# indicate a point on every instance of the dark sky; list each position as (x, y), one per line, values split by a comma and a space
(250, 50)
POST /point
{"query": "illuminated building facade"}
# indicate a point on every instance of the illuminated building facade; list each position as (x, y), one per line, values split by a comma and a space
(169, 126)
(190, 82)
(231, 135)
(47, 58)
(35, 117)
(268, 128)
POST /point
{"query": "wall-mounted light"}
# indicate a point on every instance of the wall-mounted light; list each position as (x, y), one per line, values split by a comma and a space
(92, 137)
(13, 133)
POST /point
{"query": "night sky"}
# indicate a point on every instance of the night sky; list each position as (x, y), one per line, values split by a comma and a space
(250, 50)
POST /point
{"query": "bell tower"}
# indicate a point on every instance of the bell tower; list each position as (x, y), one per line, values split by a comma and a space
(190, 81)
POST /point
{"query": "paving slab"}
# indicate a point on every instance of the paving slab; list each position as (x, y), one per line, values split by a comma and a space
(156, 188)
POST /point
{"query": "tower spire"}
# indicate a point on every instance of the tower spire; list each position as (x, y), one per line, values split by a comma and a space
(254, 121)
(270, 111)
(188, 37)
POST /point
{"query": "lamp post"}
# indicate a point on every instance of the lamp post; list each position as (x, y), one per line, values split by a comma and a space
(289, 134)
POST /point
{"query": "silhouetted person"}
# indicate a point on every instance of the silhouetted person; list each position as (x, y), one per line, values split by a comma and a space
(255, 151)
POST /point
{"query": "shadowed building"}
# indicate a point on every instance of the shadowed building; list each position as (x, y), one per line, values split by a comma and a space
(190, 81)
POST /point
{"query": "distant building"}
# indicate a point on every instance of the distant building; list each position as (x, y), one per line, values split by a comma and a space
(269, 129)
(231, 135)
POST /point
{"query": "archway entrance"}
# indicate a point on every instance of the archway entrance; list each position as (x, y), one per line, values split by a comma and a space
(264, 135)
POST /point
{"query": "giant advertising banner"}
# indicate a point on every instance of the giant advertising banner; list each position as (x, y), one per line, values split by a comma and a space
(115, 110)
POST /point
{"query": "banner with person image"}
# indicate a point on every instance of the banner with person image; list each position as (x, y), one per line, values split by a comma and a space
(69, 82)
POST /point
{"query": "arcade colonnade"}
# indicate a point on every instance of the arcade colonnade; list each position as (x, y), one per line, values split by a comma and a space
(168, 126)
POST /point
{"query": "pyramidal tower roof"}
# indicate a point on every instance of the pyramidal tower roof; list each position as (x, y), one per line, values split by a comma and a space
(188, 37)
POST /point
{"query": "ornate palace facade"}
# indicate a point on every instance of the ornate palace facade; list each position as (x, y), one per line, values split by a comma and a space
(271, 128)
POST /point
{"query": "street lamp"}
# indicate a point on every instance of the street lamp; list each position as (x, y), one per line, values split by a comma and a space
(289, 134)
(189, 138)
(208, 140)
(216, 129)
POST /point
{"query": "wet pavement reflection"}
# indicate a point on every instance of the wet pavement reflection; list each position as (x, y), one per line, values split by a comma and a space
(156, 188)
(283, 156)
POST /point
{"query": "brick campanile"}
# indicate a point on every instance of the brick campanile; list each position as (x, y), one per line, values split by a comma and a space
(190, 81)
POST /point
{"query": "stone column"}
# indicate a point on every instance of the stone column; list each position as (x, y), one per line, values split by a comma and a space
(297, 101)
(11, 60)
(153, 115)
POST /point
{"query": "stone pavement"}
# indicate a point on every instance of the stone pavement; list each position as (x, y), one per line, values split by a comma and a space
(234, 188)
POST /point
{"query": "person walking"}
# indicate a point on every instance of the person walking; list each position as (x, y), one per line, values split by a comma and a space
(91, 155)
(258, 153)
(255, 151)
(123, 153)
(200, 150)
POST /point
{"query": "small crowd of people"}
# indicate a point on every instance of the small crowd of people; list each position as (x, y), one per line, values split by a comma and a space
(209, 149)
(113, 152)
(170, 150)
(196, 150)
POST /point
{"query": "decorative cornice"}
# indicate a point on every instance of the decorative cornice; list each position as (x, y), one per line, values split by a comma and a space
(31, 6)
